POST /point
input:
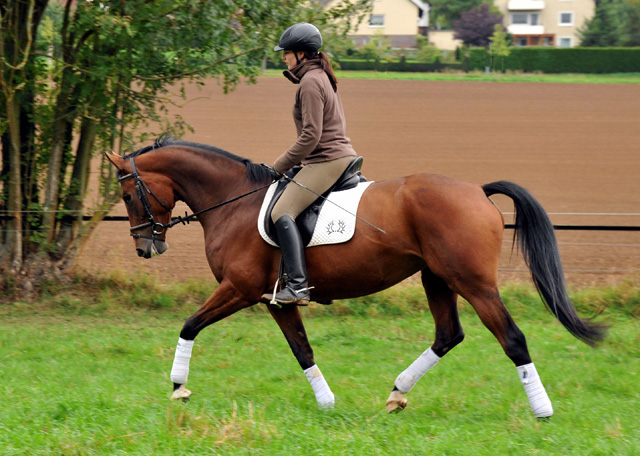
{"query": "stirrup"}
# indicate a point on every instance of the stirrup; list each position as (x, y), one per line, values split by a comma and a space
(274, 301)
(289, 296)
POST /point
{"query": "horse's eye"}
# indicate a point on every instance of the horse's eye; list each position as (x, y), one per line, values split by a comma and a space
(126, 199)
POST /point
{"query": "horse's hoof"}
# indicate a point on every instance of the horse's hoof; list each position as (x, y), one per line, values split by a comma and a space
(181, 393)
(396, 402)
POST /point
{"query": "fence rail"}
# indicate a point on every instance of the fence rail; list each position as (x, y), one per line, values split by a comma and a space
(509, 226)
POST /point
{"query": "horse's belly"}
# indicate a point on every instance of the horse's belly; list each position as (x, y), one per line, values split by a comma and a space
(353, 278)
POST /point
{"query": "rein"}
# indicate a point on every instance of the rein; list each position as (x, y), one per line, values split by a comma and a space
(158, 228)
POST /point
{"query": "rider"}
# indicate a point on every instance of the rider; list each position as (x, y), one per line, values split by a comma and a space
(322, 148)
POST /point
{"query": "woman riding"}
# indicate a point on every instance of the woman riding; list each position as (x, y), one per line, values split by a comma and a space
(322, 148)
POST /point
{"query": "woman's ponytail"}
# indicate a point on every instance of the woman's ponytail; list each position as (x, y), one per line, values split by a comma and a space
(326, 66)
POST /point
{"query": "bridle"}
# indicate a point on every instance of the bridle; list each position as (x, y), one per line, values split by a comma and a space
(158, 228)
(143, 189)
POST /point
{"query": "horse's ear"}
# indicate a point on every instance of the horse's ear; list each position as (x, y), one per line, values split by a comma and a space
(115, 159)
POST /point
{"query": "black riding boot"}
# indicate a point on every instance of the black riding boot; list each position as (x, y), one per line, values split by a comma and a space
(296, 291)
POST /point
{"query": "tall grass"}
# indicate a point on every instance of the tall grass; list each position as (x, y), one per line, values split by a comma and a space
(116, 291)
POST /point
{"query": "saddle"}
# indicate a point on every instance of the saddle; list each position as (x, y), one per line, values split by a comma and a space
(307, 220)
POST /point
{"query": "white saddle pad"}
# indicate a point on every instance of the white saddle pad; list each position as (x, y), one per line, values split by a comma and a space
(334, 225)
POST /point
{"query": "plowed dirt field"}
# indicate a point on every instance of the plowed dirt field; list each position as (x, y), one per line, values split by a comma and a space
(576, 147)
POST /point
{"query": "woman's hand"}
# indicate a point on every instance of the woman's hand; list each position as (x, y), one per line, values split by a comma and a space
(275, 175)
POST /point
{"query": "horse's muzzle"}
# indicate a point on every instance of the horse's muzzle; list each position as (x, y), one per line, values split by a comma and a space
(146, 248)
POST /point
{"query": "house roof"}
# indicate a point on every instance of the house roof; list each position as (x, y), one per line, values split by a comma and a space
(423, 20)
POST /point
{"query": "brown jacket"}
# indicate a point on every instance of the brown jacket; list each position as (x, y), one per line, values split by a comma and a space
(318, 117)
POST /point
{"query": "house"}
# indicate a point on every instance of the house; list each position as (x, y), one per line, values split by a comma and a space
(400, 21)
(546, 22)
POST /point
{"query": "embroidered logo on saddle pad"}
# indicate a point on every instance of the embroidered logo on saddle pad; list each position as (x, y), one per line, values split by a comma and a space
(334, 225)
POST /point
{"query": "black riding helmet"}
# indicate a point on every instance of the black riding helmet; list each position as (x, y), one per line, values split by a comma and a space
(300, 37)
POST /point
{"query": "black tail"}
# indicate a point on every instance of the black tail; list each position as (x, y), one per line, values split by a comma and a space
(537, 241)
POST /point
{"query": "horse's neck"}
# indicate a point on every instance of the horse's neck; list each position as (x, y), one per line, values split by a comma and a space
(206, 181)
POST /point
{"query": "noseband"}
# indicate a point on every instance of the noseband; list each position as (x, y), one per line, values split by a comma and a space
(158, 228)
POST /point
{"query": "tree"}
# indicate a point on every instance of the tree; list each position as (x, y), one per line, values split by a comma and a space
(615, 23)
(476, 26)
(600, 30)
(499, 48)
(630, 30)
(445, 12)
(80, 77)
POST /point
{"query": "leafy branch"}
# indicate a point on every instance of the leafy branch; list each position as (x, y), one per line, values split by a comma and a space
(197, 71)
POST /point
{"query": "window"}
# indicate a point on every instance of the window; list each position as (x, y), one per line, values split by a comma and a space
(376, 20)
(564, 42)
(525, 18)
(566, 18)
(519, 18)
(521, 41)
(534, 18)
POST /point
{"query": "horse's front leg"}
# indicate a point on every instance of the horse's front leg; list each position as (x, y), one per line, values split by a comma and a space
(290, 322)
(225, 301)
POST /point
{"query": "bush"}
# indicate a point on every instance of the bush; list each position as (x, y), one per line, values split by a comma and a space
(378, 49)
(429, 54)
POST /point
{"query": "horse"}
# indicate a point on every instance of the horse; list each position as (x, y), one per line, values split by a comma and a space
(445, 229)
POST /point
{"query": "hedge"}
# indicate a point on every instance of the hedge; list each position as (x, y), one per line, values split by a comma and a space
(377, 65)
(401, 66)
(527, 59)
(561, 60)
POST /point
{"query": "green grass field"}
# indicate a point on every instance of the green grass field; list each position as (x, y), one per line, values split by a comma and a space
(87, 373)
(616, 78)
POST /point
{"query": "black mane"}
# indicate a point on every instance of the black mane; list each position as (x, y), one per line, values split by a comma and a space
(256, 173)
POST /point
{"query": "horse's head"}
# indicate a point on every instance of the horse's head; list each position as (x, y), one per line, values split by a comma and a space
(149, 199)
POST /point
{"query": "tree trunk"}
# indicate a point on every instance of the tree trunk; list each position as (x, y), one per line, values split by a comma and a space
(19, 24)
(14, 207)
(28, 158)
(69, 261)
(73, 204)
(52, 186)
(61, 124)
(5, 144)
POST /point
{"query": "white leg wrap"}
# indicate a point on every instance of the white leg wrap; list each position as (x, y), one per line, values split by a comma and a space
(418, 368)
(540, 403)
(323, 393)
(180, 369)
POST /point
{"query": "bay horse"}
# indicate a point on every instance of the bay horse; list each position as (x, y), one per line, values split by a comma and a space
(448, 230)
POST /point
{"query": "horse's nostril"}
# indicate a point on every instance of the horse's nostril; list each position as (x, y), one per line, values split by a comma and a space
(140, 252)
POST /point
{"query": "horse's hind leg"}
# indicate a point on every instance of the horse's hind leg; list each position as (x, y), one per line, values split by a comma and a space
(290, 322)
(443, 306)
(497, 319)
